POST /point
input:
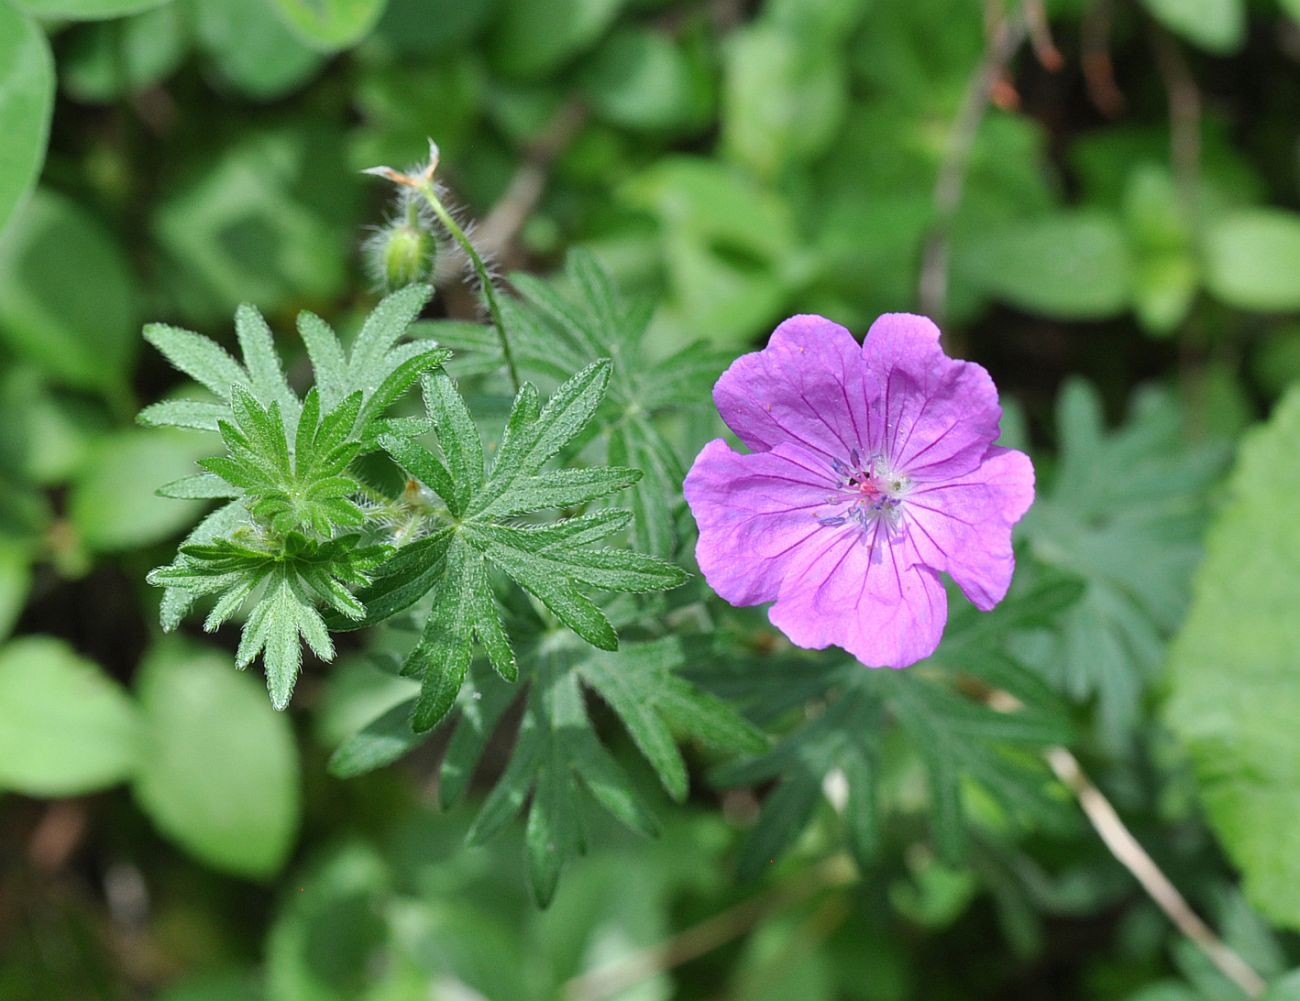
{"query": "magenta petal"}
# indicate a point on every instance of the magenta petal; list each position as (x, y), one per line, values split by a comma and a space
(858, 594)
(933, 417)
(873, 471)
(805, 388)
(963, 527)
(754, 512)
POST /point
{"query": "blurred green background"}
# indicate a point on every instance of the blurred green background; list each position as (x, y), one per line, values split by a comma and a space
(1099, 200)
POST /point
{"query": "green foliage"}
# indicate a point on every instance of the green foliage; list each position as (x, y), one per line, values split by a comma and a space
(481, 533)
(959, 742)
(89, 10)
(68, 729)
(285, 579)
(1232, 693)
(26, 101)
(293, 537)
(221, 774)
(330, 24)
(252, 50)
(1218, 26)
(566, 325)
(727, 164)
(112, 59)
(558, 760)
(1071, 265)
(267, 221)
(1250, 260)
(68, 301)
(114, 504)
(1124, 512)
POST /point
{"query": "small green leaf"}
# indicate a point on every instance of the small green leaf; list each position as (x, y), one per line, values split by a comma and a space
(330, 25)
(124, 57)
(1070, 265)
(534, 37)
(252, 48)
(114, 504)
(68, 301)
(68, 728)
(381, 742)
(221, 776)
(1218, 26)
(26, 102)
(1251, 260)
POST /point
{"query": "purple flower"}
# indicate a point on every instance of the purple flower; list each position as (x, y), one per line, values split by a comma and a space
(871, 470)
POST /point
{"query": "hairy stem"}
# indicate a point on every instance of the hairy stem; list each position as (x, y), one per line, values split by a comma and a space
(430, 194)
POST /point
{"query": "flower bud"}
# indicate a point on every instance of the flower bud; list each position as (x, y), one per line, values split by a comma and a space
(403, 251)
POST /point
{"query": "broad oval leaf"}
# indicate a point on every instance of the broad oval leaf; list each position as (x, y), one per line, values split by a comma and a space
(68, 301)
(1252, 260)
(221, 774)
(1234, 669)
(65, 726)
(114, 504)
(26, 100)
(1069, 265)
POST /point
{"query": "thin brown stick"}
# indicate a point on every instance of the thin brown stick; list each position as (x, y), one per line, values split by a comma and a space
(1125, 847)
(1184, 116)
(1098, 67)
(1005, 35)
(1040, 36)
(712, 933)
(1129, 852)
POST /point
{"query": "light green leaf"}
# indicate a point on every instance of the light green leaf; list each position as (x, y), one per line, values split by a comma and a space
(15, 582)
(1071, 265)
(330, 25)
(68, 302)
(784, 99)
(252, 48)
(87, 10)
(1234, 697)
(270, 222)
(730, 247)
(65, 727)
(221, 775)
(1218, 26)
(1286, 988)
(1252, 260)
(106, 61)
(646, 80)
(534, 37)
(26, 101)
(114, 503)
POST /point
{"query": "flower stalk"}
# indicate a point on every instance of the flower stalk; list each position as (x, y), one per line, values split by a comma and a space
(423, 184)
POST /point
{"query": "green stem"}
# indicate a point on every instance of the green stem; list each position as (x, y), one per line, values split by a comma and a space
(489, 291)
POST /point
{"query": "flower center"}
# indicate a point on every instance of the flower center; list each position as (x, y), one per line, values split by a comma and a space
(867, 493)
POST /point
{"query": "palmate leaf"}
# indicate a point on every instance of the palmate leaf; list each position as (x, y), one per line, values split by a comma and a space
(377, 367)
(290, 539)
(481, 533)
(1125, 513)
(562, 326)
(303, 487)
(956, 738)
(286, 583)
(559, 763)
